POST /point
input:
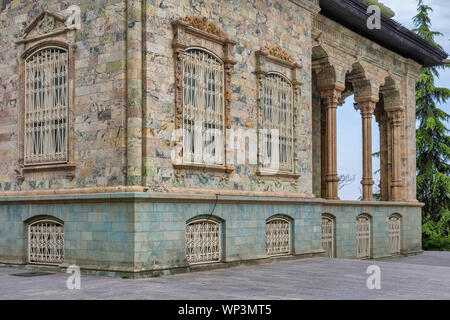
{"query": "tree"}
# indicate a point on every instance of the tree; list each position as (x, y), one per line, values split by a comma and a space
(433, 144)
(346, 180)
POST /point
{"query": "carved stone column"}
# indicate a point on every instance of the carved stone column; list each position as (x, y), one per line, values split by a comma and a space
(323, 151)
(330, 99)
(382, 120)
(367, 108)
(396, 117)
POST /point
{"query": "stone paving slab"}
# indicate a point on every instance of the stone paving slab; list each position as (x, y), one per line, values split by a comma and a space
(426, 276)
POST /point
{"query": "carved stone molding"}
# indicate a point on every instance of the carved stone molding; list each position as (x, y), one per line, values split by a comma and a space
(204, 24)
(200, 32)
(331, 97)
(46, 25)
(278, 52)
(353, 45)
(47, 29)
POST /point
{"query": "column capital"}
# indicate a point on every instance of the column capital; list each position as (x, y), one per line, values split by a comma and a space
(396, 116)
(331, 95)
(380, 116)
(366, 106)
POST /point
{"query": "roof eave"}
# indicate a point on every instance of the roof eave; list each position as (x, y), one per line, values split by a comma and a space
(353, 15)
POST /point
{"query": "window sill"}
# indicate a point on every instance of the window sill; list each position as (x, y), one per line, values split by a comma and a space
(276, 173)
(50, 167)
(68, 167)
(208, 167)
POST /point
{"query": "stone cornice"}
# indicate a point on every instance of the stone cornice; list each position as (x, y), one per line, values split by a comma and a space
(190, 195)
(327, 36)
(310, 5)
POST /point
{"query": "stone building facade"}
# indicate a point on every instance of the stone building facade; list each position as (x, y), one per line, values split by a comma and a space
(93, 171)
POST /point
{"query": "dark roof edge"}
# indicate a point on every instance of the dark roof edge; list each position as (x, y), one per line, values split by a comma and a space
(353, 15)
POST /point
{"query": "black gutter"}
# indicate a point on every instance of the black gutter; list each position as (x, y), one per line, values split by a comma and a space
(353, 15)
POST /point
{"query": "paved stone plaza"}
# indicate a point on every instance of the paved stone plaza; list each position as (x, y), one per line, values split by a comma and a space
(426, 276)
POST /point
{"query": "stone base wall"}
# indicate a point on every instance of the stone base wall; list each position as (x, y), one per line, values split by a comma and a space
(140, 232)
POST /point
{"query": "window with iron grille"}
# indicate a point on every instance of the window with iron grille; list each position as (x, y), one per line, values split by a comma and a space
(46, 242)
(203, 243)
(276, 119)
(278, 237)
(46, 107)
(328, 236)
(394, 235)
(203, 108)
(363, 237)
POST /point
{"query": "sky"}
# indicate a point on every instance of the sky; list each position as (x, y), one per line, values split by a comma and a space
(349, 121)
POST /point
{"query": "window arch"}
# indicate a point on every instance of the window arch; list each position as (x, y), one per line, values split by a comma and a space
(328, 235)
(203, 241)
(276, 118)
(203, 107)
(395, 234)
(278, 236)
(363, 237)
(46, 86)
(46, 242)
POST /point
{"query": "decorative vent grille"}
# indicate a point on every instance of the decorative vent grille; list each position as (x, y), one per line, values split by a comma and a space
(363, 237)
(394, 235)
(278, 237)
(203, 241)
(46, 107)
(203, 108)
(328, 236)
(46, 242)
(277, 114)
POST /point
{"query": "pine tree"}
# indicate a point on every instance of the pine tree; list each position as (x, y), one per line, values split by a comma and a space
(433, 144)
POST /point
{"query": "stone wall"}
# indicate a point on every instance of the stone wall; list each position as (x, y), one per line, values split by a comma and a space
(137, 232)
(99, 104)
(104, 110)
(253, 25)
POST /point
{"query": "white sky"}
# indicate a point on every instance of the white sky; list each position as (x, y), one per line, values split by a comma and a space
(349, 121)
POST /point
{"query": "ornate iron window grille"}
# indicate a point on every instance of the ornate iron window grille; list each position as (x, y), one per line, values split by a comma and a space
(46, 107)
(328, 236)
(203, 108)
(363, 237)
(203, 242)
(394, 235)
(46, 242)
(277, 114)
(278, 237)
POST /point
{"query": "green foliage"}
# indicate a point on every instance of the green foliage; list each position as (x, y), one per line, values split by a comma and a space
(433, 145)
(384, 10)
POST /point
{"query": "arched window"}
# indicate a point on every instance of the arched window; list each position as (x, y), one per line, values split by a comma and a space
(46, 242)
(278, 236)
(363, 235)
(328, 236)
(203, 241)
(46, 106)
(203, 108)
(276, 118)
(394, 234)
